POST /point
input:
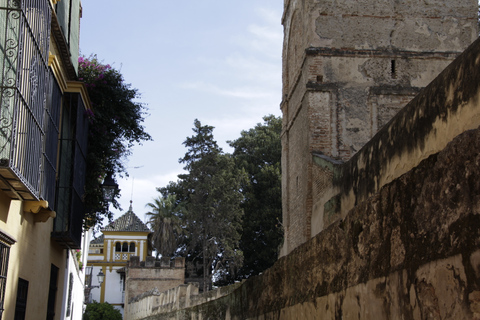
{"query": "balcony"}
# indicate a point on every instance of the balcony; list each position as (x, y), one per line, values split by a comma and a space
(71, 173)
(123, 256)
(34, 141)
(25, 82)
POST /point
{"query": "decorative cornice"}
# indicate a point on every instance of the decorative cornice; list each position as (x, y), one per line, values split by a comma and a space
(382, 53)
(79, 87)
(62, 45)
(39, 209)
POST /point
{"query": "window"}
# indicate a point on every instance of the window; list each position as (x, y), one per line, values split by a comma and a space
(21, 304)
(132, 247)
(51, 129)
(125, 247)
(70, 288)
(71, 172)
(23, 85)
(118, 247)
(5, 243)
(393, 69)
(52, 292)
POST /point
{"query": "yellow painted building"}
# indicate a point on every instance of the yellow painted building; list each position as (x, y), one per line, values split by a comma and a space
(125, 237)
(43, 137)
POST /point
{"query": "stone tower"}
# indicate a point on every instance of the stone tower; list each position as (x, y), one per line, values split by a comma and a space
(348, 67)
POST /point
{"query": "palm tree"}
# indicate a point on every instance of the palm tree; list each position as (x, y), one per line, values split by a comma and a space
(165, 225)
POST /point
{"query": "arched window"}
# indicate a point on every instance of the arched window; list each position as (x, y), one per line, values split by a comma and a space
(118, 247)
(125, 247)
(132, 247)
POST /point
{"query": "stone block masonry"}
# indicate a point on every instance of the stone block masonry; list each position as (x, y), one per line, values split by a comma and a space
(348, 68)
(145, 276)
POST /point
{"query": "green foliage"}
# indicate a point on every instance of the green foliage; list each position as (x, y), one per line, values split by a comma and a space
(115, 125)
(164, 219)
(258, 151)
(101, 311)
(210, 193)
(232, 203)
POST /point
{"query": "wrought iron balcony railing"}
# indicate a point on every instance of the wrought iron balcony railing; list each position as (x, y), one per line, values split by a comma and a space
(31, 102)
(24, 85)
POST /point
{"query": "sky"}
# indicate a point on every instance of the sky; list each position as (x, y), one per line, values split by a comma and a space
(213, 60)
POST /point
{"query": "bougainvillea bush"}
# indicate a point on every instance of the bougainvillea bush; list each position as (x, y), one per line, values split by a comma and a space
(115, 125)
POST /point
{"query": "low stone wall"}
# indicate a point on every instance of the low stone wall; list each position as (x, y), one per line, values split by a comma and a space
(151, 276)
(184, 296)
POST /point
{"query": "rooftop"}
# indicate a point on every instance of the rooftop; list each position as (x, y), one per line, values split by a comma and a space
(128, 222)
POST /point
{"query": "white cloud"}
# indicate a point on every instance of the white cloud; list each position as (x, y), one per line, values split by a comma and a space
(239, 92)
(141, 189)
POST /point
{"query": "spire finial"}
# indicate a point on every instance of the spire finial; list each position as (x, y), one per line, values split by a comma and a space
(131, 207)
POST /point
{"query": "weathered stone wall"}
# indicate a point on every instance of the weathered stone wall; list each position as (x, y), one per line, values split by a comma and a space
(348, 67)
(444, 109)
(409, 247)
(411, 251)
(145, 276)
(151, 304)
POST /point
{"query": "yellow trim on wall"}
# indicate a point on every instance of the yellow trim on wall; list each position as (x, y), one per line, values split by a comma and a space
(79, 87)
(125, 233)
(54, 63)
(39, 209)
(102, 289)
(145, 251)
(97, 263)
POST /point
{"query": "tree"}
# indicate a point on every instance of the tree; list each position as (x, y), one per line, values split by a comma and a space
(101, 311)
(165, 223)
(210, 191)
(258, 152)
(115, 125)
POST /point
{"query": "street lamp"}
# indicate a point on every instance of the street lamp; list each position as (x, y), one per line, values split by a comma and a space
(101, 278)
(109, 188)
(88, 287)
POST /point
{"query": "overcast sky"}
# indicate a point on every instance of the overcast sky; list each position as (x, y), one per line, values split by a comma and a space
(215, 60)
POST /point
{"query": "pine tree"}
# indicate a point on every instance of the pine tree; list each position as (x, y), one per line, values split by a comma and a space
(213, 212)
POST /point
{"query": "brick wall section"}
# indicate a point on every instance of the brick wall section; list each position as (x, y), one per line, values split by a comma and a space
(349, 66)
(145, 276)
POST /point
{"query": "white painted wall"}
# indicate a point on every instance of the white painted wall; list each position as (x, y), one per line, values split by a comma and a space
(73, 306)
(113, 287)
(113, 293)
